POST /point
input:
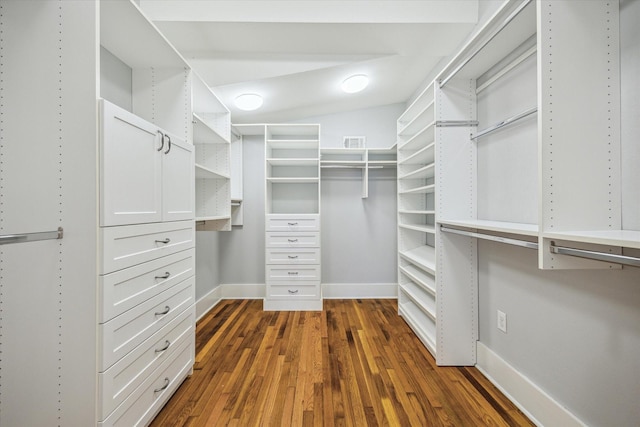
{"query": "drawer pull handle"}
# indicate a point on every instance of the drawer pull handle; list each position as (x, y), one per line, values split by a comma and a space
(292, 273)
(165, 241)
(292, 223)
(162, 313)
(292, 240)
(169, 140)
(166, 276)
(161, 140)
(293, 292)
(292, 256)
(167, 343)
(167, 381)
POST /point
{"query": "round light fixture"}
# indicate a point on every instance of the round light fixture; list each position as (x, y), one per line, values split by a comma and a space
(355, 83)
(249, 101)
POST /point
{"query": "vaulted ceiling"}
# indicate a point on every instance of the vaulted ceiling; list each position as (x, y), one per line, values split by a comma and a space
(295, 53)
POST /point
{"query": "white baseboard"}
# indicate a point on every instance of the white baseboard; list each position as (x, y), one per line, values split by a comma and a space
(208, 301)
(329, 290)
(539, 406)
(359, 290)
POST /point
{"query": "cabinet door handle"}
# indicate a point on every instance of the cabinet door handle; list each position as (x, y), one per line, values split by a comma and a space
(169, 144)
(167, 381)
(293, 292)
(166, 276)
(161, 141)
(167, 343)
(292, 256)
(292, 223)
(165, 241)
(292, 240)
(162, 313)
(292, 273)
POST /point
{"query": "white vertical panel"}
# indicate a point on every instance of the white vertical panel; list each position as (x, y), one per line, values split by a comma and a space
(178, 176)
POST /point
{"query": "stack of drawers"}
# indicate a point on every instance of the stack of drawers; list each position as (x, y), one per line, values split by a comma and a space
(146, 319)
(293, 262)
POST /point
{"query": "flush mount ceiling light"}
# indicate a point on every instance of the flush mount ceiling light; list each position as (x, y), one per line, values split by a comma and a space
(355, 83)
(249, 101)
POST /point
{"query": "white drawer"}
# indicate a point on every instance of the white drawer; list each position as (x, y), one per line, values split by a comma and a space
(292, 223)
(130, 245)
(293, 240)
(121, 335)
(283, 273)
(293, 256)
(147, 400)
(294, 290)
(119, 381)
(124, 289)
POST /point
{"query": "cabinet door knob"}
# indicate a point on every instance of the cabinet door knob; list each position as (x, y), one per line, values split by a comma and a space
(293, 292)
(166, 276)
(169, 144)
(167, 381)
(162, 313)
(165, 241)
(161, 141)
(167, 343)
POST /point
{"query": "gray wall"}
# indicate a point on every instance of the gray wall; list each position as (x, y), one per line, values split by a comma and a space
(358, 235)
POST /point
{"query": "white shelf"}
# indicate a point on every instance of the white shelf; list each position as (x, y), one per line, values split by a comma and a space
(422, 228)
(426, 305)
(419, 277)
(622, 238)
(293, 180)
(293, 144)
(423, 156)
(206, 173)
(419, 121)
(343, 151)
(416, 212)
(292, 162)
(128, 34)
(419, 190)
(212, 218)
(423, 256)
(498, 226)
(416, 141)
(205, 134)
(374, 164)
(425, 98)
(421, 324)
(427, 171)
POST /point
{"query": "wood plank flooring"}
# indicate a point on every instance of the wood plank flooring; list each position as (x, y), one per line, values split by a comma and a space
(356, 363)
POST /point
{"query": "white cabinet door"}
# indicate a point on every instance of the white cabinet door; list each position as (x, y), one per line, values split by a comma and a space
(130, 168)
(178, 194)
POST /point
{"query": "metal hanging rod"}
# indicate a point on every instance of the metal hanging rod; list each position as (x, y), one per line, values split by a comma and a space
(456, 123)
(31, 237)
(497, 31)
(598, 256)
(515, 242)
(505, 122)
(507, 68)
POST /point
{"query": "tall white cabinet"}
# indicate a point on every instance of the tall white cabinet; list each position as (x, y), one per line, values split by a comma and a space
(292, 217)
(98, 326)
(521, 134)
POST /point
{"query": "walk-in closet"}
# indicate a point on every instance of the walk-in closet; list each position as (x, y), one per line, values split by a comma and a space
(312, 212)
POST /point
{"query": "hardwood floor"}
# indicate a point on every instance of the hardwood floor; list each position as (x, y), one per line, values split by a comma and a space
(354, 364)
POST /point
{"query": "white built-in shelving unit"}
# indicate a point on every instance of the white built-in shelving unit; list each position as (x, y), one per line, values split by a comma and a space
(292, 217)
(364, 159)
(499, 148)
(212, 140)
(237, 189)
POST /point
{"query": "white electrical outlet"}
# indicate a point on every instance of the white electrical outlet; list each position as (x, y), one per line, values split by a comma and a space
(502, 321)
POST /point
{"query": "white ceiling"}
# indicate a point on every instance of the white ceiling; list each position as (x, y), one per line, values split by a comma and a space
(295, 53)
